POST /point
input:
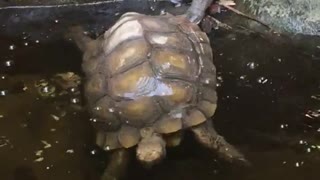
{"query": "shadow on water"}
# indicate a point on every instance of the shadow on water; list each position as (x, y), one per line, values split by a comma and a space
(269, 107)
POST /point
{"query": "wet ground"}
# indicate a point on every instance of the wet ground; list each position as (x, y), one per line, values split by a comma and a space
(269, 107)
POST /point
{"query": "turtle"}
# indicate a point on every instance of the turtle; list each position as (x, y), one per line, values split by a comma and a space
(148, 79)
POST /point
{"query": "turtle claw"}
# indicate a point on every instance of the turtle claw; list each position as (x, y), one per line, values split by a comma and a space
(229, 152)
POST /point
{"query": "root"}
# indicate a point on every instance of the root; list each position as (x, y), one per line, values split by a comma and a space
(227, 4)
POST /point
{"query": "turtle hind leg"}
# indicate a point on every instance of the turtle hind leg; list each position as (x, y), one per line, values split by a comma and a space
(208, 136)
(117, 166)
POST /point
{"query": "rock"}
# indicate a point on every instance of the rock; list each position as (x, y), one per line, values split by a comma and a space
(286, 16)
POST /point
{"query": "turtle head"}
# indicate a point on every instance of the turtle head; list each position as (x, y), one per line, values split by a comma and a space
(151, 150)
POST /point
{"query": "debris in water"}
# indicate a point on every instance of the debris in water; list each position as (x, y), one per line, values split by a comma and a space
(262, 80)
(284, 162)
(25, 88)
(70, 151)
(55, 117)
(298, 164)
(39, 153)
(313, 114)
(9, 63)
(93, 152)
(282, 126)
(44, 89)
(4, 141)
(12, 47)
(75, 100)
(252, 65)
(308, 150)
(316, 97)
(49, 167)
(3, 92)
(46, 144)
(39, 159)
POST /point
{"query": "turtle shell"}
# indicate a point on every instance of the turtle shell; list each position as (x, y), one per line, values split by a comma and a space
(149, 71)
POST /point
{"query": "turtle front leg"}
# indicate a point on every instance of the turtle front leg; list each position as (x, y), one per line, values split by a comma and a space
(208, 136)
(77, 34)
(117, 166)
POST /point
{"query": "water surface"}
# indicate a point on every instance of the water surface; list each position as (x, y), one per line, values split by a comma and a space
(269, 106)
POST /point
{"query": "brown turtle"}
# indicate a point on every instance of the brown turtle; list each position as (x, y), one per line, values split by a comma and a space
(149, 78)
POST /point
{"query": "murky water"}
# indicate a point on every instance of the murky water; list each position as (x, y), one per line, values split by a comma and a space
(269, 107)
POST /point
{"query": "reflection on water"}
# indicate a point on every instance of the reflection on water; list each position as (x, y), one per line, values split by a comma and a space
(269, 106)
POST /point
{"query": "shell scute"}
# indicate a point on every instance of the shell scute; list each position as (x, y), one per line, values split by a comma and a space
(156, 24)
(168, 124)
(104, 114)
(128, 30)
(138, 112)
(108, 140)
(207, 108)
(194, 118)
(175, 94)
(128, 136)
(171, 63)
(126, 56)
(136, 82)
(95, 87)
(169, 40)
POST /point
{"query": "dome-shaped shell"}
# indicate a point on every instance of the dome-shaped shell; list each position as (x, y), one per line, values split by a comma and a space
(149, 71)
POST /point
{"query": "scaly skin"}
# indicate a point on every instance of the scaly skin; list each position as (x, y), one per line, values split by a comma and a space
(209, 137)
(197, 9)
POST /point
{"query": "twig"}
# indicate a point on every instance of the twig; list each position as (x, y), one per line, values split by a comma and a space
(226, 5)
(219, 23)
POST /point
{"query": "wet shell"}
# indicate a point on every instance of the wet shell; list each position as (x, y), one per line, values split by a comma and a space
(149, 71)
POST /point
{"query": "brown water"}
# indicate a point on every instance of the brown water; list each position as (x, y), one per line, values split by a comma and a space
(269, 107)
